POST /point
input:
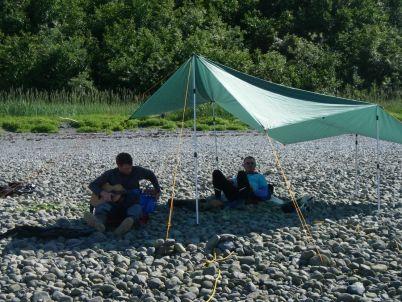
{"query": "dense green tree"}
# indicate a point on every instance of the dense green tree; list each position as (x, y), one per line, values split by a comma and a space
(323, 45)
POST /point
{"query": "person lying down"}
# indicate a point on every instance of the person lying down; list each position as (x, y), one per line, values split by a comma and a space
(247, 187)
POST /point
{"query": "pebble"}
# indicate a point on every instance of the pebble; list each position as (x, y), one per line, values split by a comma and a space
(41, 296)
(356, 289)
(272, 259)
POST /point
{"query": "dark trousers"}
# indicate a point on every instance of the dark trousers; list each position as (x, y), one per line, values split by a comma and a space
(222, 184)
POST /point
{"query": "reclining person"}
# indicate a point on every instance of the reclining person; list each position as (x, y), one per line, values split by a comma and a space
(248, 186)
(128, 176)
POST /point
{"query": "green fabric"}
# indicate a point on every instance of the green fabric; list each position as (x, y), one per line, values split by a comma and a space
(289, 115)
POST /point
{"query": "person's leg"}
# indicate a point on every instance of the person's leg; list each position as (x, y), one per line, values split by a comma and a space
(98, 220)
(243, 186)
(102, 211)
(222, 184)
(134, 213)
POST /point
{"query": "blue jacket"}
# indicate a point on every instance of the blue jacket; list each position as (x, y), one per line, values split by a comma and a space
(258, 183)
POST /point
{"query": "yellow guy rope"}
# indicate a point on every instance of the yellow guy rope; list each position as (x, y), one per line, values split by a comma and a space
(169, 223)
(215, 260)
(292, 195)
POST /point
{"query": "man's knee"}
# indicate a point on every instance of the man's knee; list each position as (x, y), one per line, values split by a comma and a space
(241, 174)
(217, 174)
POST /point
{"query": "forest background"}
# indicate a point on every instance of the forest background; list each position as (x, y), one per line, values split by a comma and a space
(92, 62)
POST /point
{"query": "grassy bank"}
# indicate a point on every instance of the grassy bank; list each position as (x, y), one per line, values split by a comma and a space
(110, 123)
(86, 117)
(38, 112)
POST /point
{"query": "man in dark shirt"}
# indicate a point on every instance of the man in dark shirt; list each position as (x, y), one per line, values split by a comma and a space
(128, 176)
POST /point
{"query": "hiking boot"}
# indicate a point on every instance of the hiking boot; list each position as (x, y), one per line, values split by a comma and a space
(124, 226)
(94, 222)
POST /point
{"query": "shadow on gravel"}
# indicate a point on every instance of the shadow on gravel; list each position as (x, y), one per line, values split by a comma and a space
(74, 235)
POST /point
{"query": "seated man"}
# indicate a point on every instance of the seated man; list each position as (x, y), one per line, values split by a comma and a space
(249, 185)
(128, 176)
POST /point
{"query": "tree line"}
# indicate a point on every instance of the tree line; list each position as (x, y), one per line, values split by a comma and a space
(333, 46)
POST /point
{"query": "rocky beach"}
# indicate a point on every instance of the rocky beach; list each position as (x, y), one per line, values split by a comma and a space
(262, 253)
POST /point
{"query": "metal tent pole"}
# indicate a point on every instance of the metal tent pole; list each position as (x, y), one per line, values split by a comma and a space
(216, 139)
(195, 142)
(357, 167)
(378, 162)
(400, 181)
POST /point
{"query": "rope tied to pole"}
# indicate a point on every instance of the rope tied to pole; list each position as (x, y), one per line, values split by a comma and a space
(177, 158)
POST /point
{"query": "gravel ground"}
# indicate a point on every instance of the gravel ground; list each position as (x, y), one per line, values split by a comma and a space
(270, 257)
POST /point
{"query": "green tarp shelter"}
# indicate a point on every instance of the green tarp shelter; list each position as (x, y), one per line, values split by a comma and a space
(289, 115)
(286, 114)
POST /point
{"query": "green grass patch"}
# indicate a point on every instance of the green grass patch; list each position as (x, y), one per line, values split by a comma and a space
(169, 125)
(30, 124)
(130, 124)
(237, 126)
(32, 102)
(203, 127)
(151, 122)
(394, 108)
(88, 129)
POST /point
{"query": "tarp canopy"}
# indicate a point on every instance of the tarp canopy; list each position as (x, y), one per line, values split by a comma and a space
(289, 115)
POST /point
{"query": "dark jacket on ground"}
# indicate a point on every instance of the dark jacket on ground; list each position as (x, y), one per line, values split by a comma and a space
(129, 182)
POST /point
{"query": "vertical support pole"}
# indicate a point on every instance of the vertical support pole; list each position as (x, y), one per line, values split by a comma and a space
(378, 162)
(400, 181)
(356, 167)
(216, 139)
(195, 142)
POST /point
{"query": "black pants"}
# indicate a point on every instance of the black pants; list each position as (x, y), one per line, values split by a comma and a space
(222, 184)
